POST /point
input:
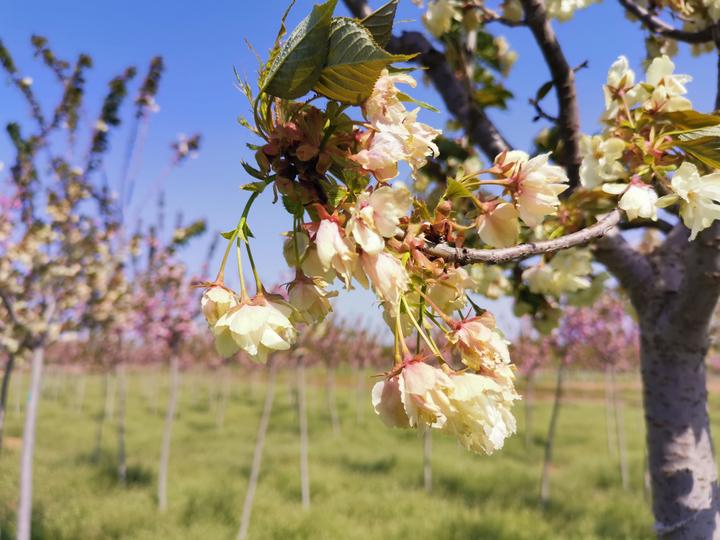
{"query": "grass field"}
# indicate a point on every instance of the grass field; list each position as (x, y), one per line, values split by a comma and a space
(366, 482)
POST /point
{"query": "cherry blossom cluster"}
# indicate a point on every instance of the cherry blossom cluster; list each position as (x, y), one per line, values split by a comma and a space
(352, 225)
(636, 157)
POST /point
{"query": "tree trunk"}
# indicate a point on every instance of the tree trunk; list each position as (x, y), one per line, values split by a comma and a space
(303, 423)
(257, 454)
(609, 432)
(19, 390)
(680, 451)
(80, 392)
(24, 515)
(102, 416)
(4, 394)
(427, 459)
(122, 398)
(167, 431)
(528, 408)
(224, 397)
(332, 401)
(620, 432)
(550, 441)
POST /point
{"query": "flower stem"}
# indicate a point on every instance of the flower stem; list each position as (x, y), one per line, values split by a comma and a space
(258, 284)
(430, 343)
(243, 291)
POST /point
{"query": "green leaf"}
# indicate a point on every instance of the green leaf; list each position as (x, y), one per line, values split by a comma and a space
(252, 171)
(685, 121)
(710, 131)
(543, 90)
(335, 194)
(704, 149)
(297, 66)
(409, 99)
(257, 187)
(228, 235)
(293, 207)
(456, 190)
(354, 63)
(380, 22)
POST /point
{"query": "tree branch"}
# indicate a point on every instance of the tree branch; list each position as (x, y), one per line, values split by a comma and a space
(660, 225)
(464, 256)
(657, 26)
(455, 94)
(564, 82)
(699, 289)
(630, 267)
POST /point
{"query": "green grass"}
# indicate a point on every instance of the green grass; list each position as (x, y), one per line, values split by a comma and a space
(366, 483)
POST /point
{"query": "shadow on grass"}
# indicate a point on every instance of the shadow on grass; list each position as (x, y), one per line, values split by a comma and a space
(380, 465)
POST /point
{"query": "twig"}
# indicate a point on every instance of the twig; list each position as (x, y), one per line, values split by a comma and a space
(657, 26)
(464, 256)
(564, 81)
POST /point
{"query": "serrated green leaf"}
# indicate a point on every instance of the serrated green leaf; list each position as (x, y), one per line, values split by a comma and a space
(685, 121)
(277, 46)
(704, 149)
(354, 63)
(710, 131)
(409, 99)
(380, 22)
(298, 64)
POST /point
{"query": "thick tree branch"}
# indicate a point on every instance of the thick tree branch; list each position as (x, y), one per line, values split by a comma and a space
(464, 256)
(454, 92)
(630, 267)
(564, 81)
(657, 26)
(699, 289)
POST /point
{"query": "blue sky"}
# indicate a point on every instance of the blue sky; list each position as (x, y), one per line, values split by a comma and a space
(202, 42)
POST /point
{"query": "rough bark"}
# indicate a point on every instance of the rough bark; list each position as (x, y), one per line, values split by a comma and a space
(167, 432)
(258, 452)
(680, 451)
(674, 290)
(24, 514)
(4, 394)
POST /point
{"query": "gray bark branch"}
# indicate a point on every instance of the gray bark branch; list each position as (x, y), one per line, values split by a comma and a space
(563, 77)
(464, 256)
(657, 26)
